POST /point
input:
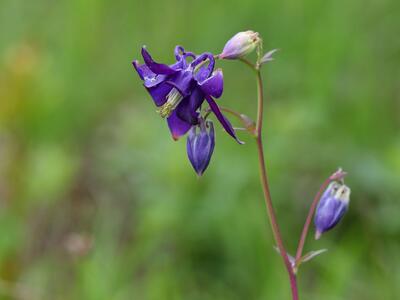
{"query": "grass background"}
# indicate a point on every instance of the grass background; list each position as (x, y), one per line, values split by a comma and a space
(97, 201)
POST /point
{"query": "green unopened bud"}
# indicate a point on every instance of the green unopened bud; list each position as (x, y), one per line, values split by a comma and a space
(240, 44)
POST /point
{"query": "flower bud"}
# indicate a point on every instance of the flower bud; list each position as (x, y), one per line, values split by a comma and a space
(240, 44)
(331, 208)
(200, 146)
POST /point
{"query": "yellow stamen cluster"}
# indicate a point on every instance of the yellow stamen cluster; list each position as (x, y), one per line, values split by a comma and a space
(173, 99)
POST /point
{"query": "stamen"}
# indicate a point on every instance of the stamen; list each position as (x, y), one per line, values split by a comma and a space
(173, 99)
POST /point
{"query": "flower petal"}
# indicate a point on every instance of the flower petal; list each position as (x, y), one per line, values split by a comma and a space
(156, 67)
(181, 57)
(142, 70)
(179, 51)
(187, 109)
(177, 126)
(182, 81)
(214, 85)
(204, 71)
(221, 118)
(153, 81)
(150, 79)
(159, 93)
(341, 209)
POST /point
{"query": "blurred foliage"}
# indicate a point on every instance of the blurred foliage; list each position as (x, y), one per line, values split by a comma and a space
(97, 201)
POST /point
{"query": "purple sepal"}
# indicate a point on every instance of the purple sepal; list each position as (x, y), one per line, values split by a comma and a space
(156, 67)
(214, 85)
(221, 118)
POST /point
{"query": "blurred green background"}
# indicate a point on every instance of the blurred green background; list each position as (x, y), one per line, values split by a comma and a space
(97, 201)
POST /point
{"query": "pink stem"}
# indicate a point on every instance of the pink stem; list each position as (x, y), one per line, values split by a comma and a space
(266, 191)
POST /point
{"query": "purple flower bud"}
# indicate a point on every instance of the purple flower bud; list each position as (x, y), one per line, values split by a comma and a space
(200, 145)
(331, 208)
(240, 44)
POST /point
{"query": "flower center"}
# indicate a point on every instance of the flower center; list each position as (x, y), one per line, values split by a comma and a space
(173, 99)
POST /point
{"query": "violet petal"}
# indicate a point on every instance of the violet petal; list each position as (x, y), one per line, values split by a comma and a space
(142, 70)
(204, 71)
(214, 85)
(159, 93)
(177, 126)
(187, 109)
(182, 81)
(156, 67)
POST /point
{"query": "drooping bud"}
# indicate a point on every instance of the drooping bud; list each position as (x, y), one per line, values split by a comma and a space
(331, 208)
(240, 44)
(200, 145)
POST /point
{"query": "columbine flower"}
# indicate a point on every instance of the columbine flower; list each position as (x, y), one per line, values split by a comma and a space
(200, 145)
(179, 90)
(240, 44)
(331, 208)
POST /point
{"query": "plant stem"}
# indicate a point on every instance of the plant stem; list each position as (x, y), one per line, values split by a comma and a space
(266, 191)
(248, 63)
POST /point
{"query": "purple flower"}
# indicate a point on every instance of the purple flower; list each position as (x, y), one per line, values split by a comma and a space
(331, 208)
(178, 90)
(241, 44)
(200, 146)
